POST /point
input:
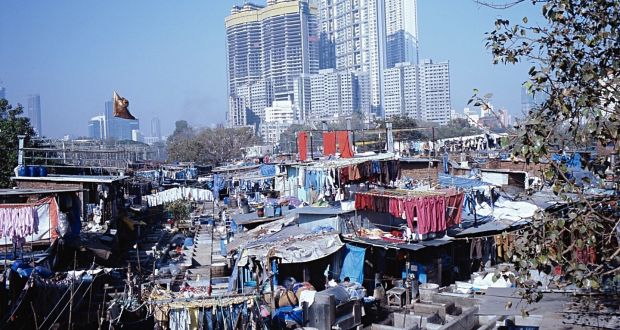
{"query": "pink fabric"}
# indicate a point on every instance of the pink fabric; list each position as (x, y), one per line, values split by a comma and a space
(410, 208)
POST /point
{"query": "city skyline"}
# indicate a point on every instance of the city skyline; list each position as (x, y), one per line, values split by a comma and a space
(73, 78)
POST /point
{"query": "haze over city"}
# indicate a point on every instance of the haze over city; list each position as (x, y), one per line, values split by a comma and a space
(169, 59)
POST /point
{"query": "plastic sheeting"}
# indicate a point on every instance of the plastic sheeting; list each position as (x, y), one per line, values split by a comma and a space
(296, 249)
(353, 263)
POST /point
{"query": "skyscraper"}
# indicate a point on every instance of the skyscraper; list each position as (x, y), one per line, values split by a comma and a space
(352, 32)
(118, 128)
(2, 92)
(268, 48)
(33, 111)
(96, 128)
(401, 32)
(156, 128)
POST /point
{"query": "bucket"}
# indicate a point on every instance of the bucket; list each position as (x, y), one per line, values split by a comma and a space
(427, 290)
(42, 171)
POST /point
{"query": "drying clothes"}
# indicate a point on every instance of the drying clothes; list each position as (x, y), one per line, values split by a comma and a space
(344, 145)
(302, 145)
(475, 250)
(179, 319)
(354, 173)
(18, 222)
(410, 212)
(329, 143)
(454, 205)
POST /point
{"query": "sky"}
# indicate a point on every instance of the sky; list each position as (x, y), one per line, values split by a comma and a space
(168, 58)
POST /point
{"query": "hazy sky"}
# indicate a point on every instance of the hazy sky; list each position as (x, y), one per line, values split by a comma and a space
(168, 57)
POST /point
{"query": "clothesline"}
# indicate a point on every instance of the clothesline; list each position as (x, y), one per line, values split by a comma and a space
(401, 194)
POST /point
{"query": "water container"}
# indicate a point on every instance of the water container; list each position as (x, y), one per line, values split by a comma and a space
(427, 290)
(22, 171)
(226, 200)
(42, 171)
(33, 171)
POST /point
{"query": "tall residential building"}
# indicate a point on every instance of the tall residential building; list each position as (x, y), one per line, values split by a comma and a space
(2, 92)
(302, 96)
(418, 91)
(352, 39)
(435, 101)
(402, 91)
(401, 32)
(33, 111)
(338, 93)
(268, 48)
(156, 127)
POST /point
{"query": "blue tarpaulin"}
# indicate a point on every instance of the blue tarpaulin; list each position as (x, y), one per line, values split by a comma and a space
(353, 263)
(267, 170)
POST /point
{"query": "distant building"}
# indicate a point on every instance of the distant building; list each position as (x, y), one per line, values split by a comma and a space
(352, 39)
(278, 118)
(97, 128)
(402, 91)
(435, 103)
(268, 47)
(418, 91)
(401, 32)
(33, 111)
(2, 92)
(117, 128)
(339, 93)
(156, 127)
(136, 136)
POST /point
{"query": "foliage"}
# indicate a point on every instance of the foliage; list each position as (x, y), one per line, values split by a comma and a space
(208, 145)
(456, 127)
(404, 122)
(576, 64)
(12, 124)
(180, 209)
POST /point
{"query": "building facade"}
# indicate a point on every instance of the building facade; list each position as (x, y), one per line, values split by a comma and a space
(352, 39)
(268, 48)
(278, 117)
(418, 91)
(156, 128)
(33, 111)
(97, 128)
(401, 32)
(338, 94)
(2, 92)
(435, 103)
(118, 128)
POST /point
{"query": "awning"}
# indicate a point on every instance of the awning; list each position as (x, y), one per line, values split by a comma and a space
(296, 249)
(398, 246)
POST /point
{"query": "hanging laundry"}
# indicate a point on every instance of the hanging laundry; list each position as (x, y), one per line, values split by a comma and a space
(329, 143)
(302, 145)
(344, 145)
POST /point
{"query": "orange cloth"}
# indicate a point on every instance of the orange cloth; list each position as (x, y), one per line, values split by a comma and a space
(329, 143)
(344, 145)
(302, 145)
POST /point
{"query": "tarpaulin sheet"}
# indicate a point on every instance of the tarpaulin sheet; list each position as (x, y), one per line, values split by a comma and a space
(353, 263)
(297, 249)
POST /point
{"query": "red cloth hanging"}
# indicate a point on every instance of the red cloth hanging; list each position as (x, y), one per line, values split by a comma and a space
(344, 145)
(302, 145)
(329, 143)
